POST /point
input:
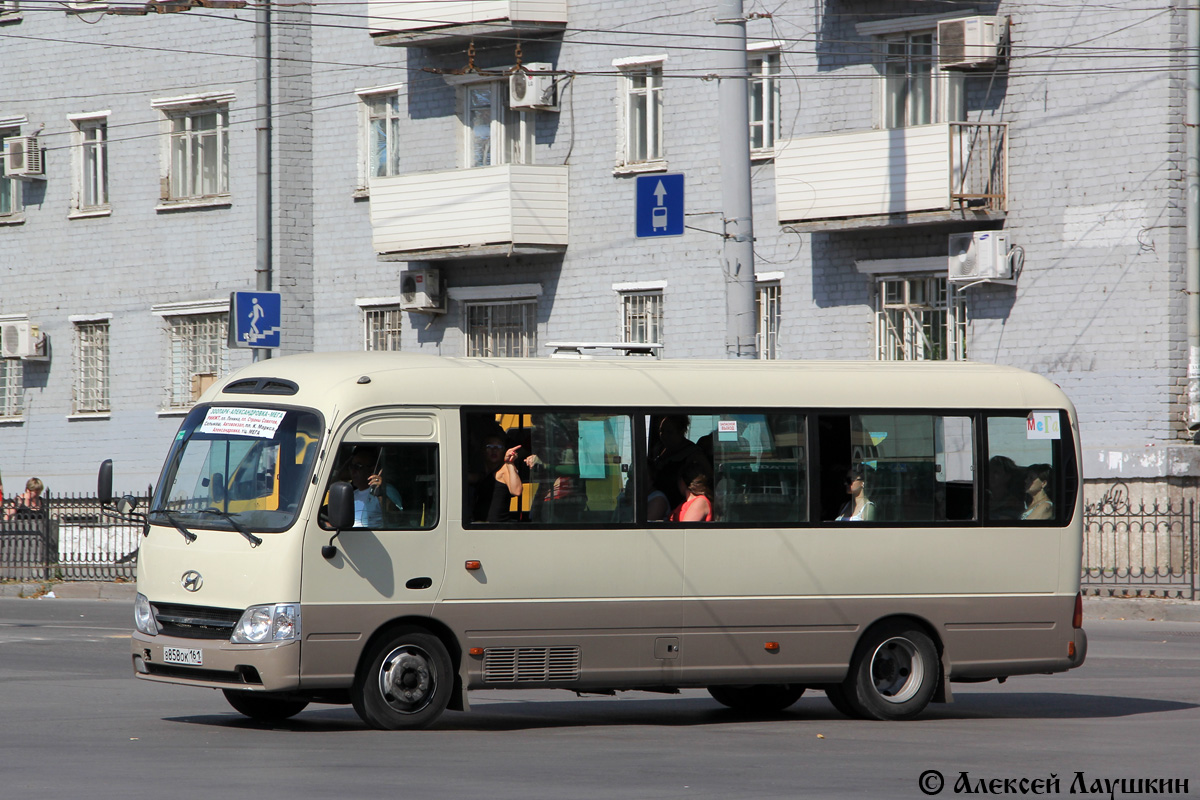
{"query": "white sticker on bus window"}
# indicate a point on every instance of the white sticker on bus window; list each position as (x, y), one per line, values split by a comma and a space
(1043, 425)
(727, 430)
(259, 422)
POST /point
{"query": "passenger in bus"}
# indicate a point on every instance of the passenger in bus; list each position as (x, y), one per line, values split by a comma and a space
(498, 485)
(1037, 481)
(697, 486)
(858, 508)
(671, 454)
(365, 469)
(1006, 492)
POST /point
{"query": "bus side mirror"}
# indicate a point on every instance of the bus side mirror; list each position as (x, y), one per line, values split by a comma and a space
(104, 482)
(341, 514)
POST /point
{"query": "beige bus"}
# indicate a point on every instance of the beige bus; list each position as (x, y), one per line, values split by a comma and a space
(394, 531)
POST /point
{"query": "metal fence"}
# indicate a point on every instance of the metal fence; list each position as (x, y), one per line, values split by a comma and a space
(1143, 550)
(71, 540)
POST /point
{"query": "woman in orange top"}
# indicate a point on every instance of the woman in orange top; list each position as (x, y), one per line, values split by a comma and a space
(697, 504)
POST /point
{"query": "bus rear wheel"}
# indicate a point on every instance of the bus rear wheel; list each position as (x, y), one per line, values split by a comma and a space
(764, 698)
(405, 682)
(264, 707)
(894, 673)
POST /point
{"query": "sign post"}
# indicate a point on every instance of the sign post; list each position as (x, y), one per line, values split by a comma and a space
(257, 319)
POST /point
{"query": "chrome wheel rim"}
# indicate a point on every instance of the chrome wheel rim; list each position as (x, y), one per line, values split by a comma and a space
(407, 679)
(897, 670)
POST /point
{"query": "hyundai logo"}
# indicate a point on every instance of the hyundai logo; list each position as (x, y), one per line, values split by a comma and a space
(192, 580)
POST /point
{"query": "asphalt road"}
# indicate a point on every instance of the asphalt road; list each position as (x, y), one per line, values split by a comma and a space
(74, 723)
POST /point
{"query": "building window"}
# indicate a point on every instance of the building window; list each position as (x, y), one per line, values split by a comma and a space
(198, 355)
(764, 100)
(12, 386)
(915, 93)
(502, 329)
(642, 317)
(494, 134)
(381, 328)
(92, 170)
(383, 134)
(9, 8)
(767, 303)
(920, 318)
(91, 368)
(10, 188)
(199, 153)
(642, 104)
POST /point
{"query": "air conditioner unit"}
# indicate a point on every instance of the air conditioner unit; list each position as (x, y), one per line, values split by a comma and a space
(22, 157)
(532, 86)
(421, 290)
(970, 42)
(979, 256)
(21, 339)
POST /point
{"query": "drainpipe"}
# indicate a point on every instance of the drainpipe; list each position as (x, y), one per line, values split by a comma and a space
(262, 75)
(737, 251)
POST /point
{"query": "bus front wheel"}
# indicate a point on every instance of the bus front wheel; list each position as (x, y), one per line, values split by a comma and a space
(765, 698)
(894, 673)
(405, 683)
(264, 707)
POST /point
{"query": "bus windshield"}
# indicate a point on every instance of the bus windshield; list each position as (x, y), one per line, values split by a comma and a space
(238, 468)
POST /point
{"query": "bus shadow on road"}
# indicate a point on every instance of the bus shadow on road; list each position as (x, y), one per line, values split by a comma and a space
(584, 712)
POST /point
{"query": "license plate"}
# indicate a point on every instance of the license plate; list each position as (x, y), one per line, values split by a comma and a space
(178, 655)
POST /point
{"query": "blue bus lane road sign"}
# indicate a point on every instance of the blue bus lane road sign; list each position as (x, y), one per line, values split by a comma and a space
(660, 205)
(257, 319)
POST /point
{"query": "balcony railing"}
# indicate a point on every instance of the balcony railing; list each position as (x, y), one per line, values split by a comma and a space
(433, 22)
(927, 173)
(467, 213)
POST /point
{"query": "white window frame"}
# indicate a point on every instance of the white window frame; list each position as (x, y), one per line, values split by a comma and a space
(510, 132)
(646, 128)
(516, 339)
(382, 323)
(191, 365)
(765, 64)
(902, 302)
(12, 380)
(392, 118)
(93, 364)
(945, 87)
(640, 306)
(182, 188)
(12, 208)
(89, 195)
(768, 304)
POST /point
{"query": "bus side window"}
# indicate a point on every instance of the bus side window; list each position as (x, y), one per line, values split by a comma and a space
(405, 494)
(1024, 478)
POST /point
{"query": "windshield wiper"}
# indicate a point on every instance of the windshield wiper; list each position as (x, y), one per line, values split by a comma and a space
(250, 537)
(187, 535)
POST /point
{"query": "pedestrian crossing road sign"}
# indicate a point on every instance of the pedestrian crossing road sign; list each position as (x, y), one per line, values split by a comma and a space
(257, 319)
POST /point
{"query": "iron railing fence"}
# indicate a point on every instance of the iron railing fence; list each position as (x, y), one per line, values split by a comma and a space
(1148, 549)
(71, 540)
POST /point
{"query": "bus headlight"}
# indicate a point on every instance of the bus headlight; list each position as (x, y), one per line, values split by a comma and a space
(271, 623)
(143, 616)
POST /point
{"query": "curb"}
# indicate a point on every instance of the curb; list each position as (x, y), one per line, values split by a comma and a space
(1140, 608)
(70, 590)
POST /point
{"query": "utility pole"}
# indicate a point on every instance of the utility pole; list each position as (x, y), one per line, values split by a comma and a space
(263, 208)
(737, 252)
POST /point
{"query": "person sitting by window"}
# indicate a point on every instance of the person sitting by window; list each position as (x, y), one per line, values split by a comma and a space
(498, 485)
(696, 487)
(1037, 480)
(365, 470)
(858, 508)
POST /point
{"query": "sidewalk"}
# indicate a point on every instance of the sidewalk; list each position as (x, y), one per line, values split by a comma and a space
(71, 590)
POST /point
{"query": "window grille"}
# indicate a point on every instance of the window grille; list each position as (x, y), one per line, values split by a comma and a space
(503, 329)
(642, 317)
(198, 355)
(920, 319)
(91, 380)
(769, 313)
(381, 328)
(12, 386)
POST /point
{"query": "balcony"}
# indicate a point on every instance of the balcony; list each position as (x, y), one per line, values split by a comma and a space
(927, 174)
(447, 22)
(516, 209)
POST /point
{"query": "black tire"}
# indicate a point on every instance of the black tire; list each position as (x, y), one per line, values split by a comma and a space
(894, 673)
(264, 707)
(405, 683)
(837, 698)
(763, 698)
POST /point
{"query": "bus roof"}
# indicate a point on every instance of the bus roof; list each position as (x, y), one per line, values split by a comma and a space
(371, 379)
